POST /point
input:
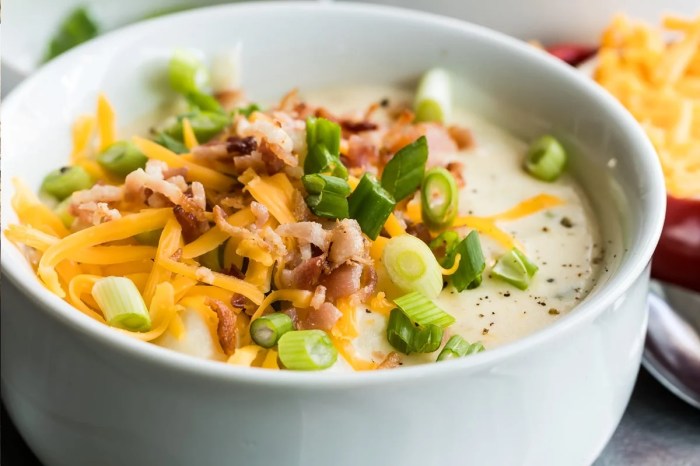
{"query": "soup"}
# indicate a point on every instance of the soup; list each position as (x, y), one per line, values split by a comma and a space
(345, 229)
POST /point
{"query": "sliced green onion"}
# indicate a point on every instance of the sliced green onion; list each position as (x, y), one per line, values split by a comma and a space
(423, 311)
(151, 238)
(320, 131)
(546, 159)
(370, 205)
(444, 247)
(65, 181)
(403, 174)
(427, 338)
(122, 158)
(458, 347)
(404, 336)
(248, 110)
(211, 260)
(306, 350)
(434, 96)
(327, 195)
(121, 304)
(411, 266)
(63, 212)
(205, 125)
(515, 268)
(171, 143)
(186, 72)
(76, 28)
(267, 330)
(323, 148)
(471, 263)
(438, 198)
(317, 183)
(203, 101)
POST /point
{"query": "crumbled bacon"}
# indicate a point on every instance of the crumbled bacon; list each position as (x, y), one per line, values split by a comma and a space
(93, 213)
(307, 233)
(357, 126)
(234, 271)
(391, 361)
(226, 327)
(461, 136)
(241, 146)
(323, 318)
(457, 171)
(198, 195)
(347, 243)
(343, 281)
(268, 154)
(176, 171)
(306, 275)
(228, 98)
(319, 297)
(98, 193)
(369, 277)
(192, 228)
(238, 300)
(254, 161)
(261, 213)
(361, 152)
(203, 274)
(419, 230)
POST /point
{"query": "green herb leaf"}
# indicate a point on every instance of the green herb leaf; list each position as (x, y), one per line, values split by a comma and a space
(403, 174)
(76, 28)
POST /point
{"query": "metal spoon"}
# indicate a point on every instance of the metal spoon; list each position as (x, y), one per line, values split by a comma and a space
(672, 350)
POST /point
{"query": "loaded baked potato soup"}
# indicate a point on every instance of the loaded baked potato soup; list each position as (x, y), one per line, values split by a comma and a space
(347, 228)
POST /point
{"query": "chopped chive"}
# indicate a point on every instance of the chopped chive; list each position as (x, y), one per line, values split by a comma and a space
(76, 28)
(248, 110)
(423, 311)
(121, 304)
(404, 336)
(267, 330)
(458, 347)
(186, 72)
(63, 212)
(205, 125)
(171, 143)
(306, 350)
(122, 158)
(433, 98)
(65, 181)
(438, 198)
(370, 205)
(323, 148)
(327, 195)
(545, 159)
(515, 268)
(403, 174)
(150, 238)
(203, 101)
(444, 247)
(411, 265)
(471, 263)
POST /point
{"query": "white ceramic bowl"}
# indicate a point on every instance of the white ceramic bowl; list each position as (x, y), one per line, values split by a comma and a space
(82, 394)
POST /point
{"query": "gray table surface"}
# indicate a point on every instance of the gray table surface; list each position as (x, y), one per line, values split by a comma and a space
(657, 430)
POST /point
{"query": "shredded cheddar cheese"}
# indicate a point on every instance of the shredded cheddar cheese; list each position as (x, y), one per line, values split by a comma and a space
(105, 122)
(188, 134)
(655, 73)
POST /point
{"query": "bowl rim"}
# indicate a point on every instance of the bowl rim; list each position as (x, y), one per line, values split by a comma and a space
(630, 269)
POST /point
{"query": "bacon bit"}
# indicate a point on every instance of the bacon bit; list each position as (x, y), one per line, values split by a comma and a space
(306, 233)
(268, 154)
(289, 101)
(319, 297)
(358, 126)
(93, 213)
(301, 210)
(229, 98)
(293, 314)
(98, 193)
(307, 274)
(238, 300)
(226, 327)
(234, 271)
(262, 215)
(191, 227)
(361, 152)
(177, 255)
(457, 170)
(347, 243)
(373, 107)
(177, 171)
(323, 318)
(391, 361)
(254, 161)
(461, 136)
(343, 281)
(205, 275)
(199, 196)
(241, 146)
(369, 277)
(419, 230)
